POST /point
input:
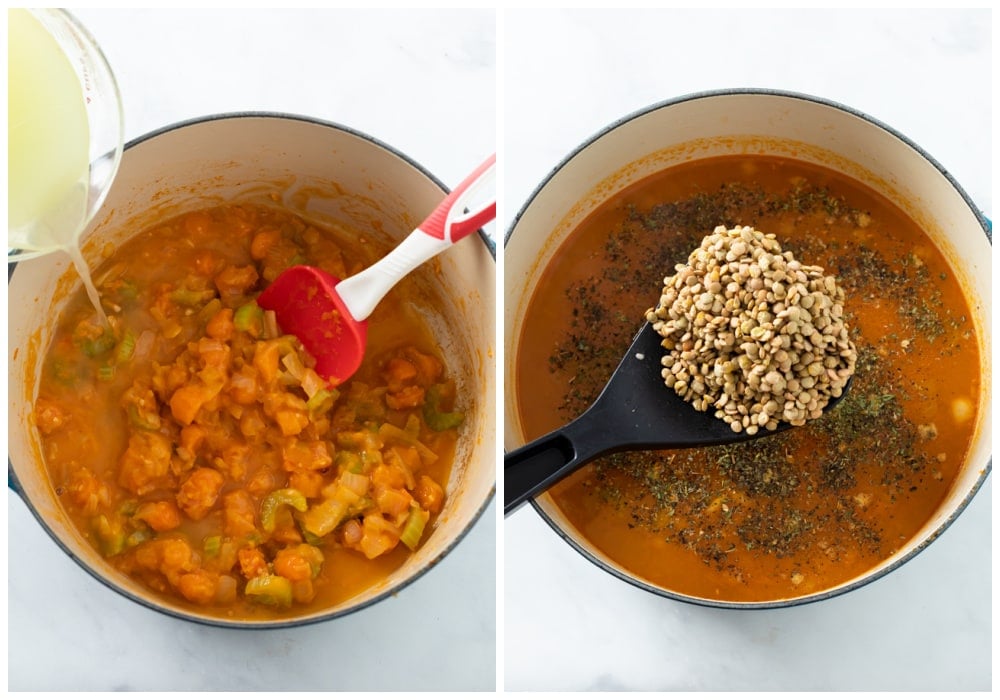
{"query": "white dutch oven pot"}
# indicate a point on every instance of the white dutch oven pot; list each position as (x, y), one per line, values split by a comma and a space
(752, 121)
(325, 172)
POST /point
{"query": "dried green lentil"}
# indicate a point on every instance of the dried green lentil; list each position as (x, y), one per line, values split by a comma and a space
(753, 334)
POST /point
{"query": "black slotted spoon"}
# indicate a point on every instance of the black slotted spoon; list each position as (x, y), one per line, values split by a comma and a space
(635, 411)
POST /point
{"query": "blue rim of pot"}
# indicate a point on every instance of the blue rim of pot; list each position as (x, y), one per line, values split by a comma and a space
(880, 571)
(14, 485)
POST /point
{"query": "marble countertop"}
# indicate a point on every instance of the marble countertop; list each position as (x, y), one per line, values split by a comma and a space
(422, 82)
(567, 625)
(428, 86)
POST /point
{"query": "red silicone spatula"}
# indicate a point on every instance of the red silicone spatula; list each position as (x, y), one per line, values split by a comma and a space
(329, 315)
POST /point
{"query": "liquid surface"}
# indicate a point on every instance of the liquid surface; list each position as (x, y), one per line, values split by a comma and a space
(195, 448)
(785, 515)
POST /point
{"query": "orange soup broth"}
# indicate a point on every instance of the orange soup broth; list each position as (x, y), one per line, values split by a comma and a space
(786, 515)
(84, 423)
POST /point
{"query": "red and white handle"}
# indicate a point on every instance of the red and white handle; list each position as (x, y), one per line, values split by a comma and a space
(468, 207)
(458, 214)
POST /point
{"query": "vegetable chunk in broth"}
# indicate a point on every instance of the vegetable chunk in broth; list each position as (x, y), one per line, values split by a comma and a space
(195, 447)
(789, 514)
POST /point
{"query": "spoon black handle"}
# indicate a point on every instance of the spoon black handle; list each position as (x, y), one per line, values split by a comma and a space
(529, 470)
(634, 411)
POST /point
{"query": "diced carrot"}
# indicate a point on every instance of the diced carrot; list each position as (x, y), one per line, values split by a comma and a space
(243, 387)
(306, 454)
(145, 465)
(187, 401)
(388, 476)
(48, 416)
(262, 482)
(291, 422)
(290, 563)
(308, 483)
(398, 372)
(220, 326)
(159, 515)
(252, 562)
(429, 494)
(265, 359)
(234, 283)
(86, 491)
(213, 353)
(263, 242)
(198, 587)
(251, 424)
(238, 514)
(199, 492)
(429, 368)
(192, 438)
(176, 559)
(408, 397)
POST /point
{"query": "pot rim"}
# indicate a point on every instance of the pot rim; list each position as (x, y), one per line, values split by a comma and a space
(13, 483)
(881, 570)
(764, 92)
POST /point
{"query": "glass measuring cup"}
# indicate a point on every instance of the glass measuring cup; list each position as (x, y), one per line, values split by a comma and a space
(65, 131)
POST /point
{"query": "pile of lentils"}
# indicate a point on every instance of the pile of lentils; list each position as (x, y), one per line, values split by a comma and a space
(753, 334)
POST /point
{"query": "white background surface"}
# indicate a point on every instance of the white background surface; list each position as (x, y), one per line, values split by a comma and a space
(427, 88)
(567, 624)
(421, 82)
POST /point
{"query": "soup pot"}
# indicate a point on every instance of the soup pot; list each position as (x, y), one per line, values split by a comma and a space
(733, 122)
(324, 172)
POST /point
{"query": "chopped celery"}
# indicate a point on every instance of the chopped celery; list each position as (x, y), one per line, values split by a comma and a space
(310, 538)
(92, 347)
(110, 537)
(126, 347)
(391, 432)
(145, 421)
(191, 297)
(412, 427)
(128, 291)
(138, 537)
(413, 529)
(359, 508)
(212, 545)
(249, 318)
(209, 310)
(347, 461)
(106, 373)
(270, 590)
(437, 419)
(355, 482)
(63, 371)
(323, 517)
(322, 400)
(274, 500)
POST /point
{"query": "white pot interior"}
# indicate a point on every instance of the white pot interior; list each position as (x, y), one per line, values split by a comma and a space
(752, 122)
(325, 173)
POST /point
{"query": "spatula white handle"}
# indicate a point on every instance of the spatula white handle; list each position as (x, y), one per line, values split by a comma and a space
(453, 219)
